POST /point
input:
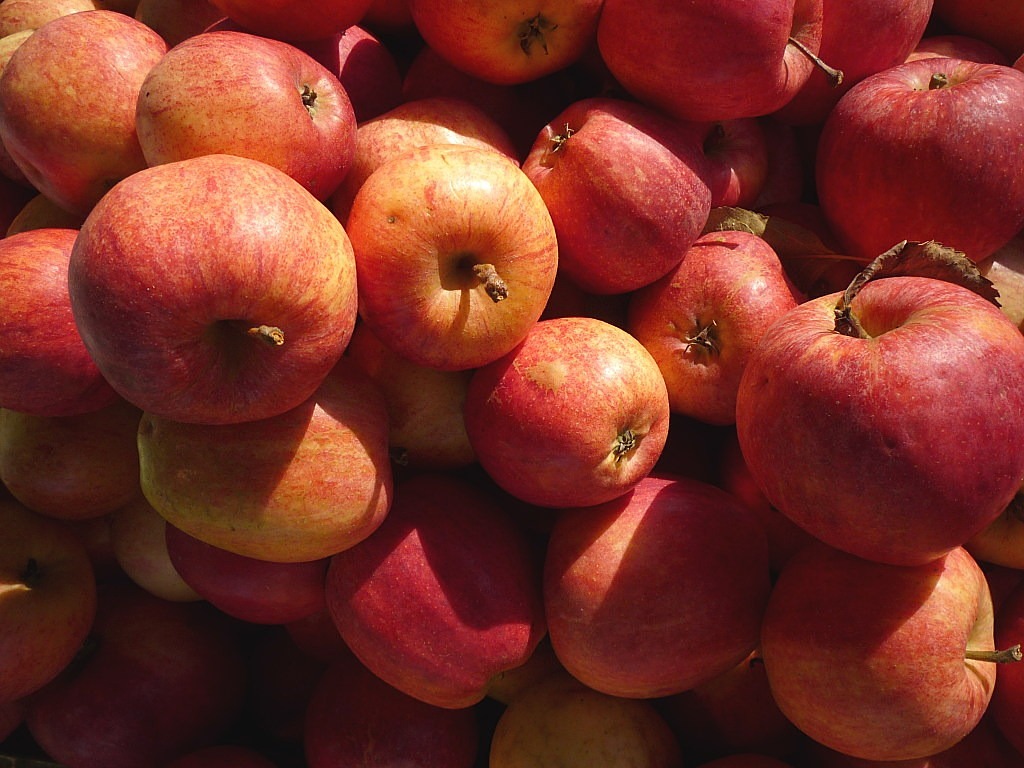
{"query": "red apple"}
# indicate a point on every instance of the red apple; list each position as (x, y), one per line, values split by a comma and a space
(380, 725)
(45, 369)
(76, 139)
(657, 591)
(177, 20)
(737, 153)
(703, 320)
(707, 60)
(999, 22)
(242, 320)
(291, 488)
(959, 47)
(619, 177)
(576, 415)
(1007, 704)
(876, 660)
(787, 171)
(444, 596)
(158, 679)
(47, 600)
(893, 160)
(907, 488)
(294, 20)
(456, 254)
(242, 94)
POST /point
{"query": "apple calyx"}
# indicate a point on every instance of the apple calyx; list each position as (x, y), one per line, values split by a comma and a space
(704, 341)
(494, 286)
(557, 142)
(32, 575)
(910, 257)
(938, 80)
(532, 31)
(626, 441)
(835, 76)
(1005, 656)
(309, 99)
(268, 334)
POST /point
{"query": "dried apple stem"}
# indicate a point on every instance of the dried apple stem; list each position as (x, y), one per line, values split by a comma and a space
(269, 334)
(495, 287)
(624, 443)
(835, 76)
(1005, 656)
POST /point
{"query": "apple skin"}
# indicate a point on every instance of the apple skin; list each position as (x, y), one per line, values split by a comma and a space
(421, 224)
(251, 590)
(959, 47)
(382, 725)
(73, 148)
(294, 20)
(1007, 703)
(210, 242)
(868, 658)
(40, 212)
(738, 162)
(47, 600)
(317, 478)
(999, 22)
(236, 93)
(177, 20)
(710, 60)
(657, 591)
(618, 176)
(20, 15)
(159, 679)
(574, 416)
(891, 161)
(729, 286)
(904, 491)
(45, 368)
(444, 596)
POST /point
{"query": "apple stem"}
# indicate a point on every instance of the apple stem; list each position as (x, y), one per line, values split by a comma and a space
(270, 334)
(557, 142)
(1005, 656)
(309, 99)
(532, 30)
(938, 80)
(624, 443)
(835, 76)
(705, 339)
(495, 287)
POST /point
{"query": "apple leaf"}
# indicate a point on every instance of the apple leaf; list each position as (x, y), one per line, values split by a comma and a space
(787, 238)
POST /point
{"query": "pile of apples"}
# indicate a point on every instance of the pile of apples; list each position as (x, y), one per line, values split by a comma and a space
(460, 384)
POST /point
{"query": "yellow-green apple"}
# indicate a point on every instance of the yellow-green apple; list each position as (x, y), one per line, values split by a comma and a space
(860, 38)
(879, 661)
(290, 488)
(456, 254)
(999, 22)
(708, 60)
(444, 596)
(576, 415)
(415, 123)
(958, 47)
(71, 467)
(47, 599)
(1007, 704)
(251, 590)
(198, 301)
(67, 104)
(908, 488)
(223, 756)
(156, 679)
(657, 591)
(891, 161)
(703, 320)
(382, 725)
(426, 425)
(505, 42)
(177, 20)
(737, 154)
(294, 20)
(40, 212)
(560, 721)
(139, 542)
(45, 369)
(236, 93)
(619, 177)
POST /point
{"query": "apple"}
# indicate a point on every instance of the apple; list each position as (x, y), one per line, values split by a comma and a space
(456, 254)
(71, 467)
(222, 756)
(47, 600)
(291, 488)
(444, 596)
(75, 141)
(238, 93)
(703, 320)
(250, 334)
(40, 212)
(576, 415)
(959, 47)
(999, 542)
(45, 368)
(505, 42)
(879, 661)
(787, 171)
(860, 38)
(907, 489)
(251, 590)
(657, 591)
(415, 123)
(317, 636)
(560, 721)
(22, 15)
(999, 22)
(8, 168)
(738, 163)
(12, 715)
(426, 425)
(156, 680)
(177, 20)
(294, 20)
(708, 60)
(891, 160)
(509, 684)
(1008, 698)
(137, 535)
(620, 177)
(381, 725)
